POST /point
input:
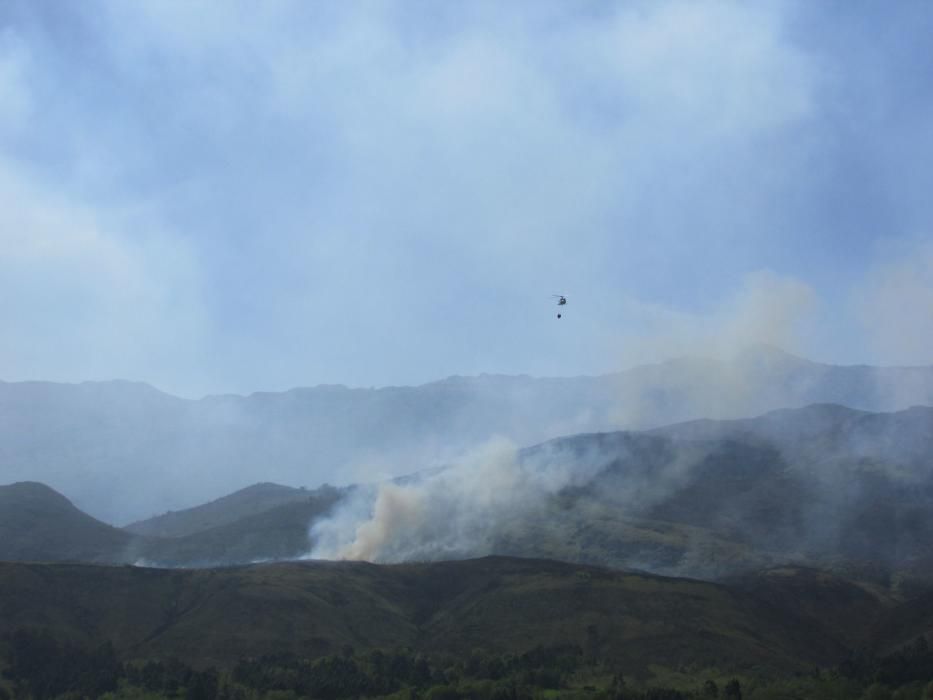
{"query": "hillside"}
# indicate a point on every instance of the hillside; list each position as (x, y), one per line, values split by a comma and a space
(277, 533)
(823, 486)
(497, 604)
(124, 451)
(244, 503)
(823, 434)
(39, 524)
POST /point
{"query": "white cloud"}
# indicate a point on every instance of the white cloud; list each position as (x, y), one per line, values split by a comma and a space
(768, 309)
(718, 68)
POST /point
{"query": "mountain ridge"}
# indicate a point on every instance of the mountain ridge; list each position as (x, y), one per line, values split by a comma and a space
(708, 502)
(124, 451)
(761, 352)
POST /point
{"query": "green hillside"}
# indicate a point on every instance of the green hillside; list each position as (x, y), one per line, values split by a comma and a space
(485, 628)
(39, 524)
(275, 533)
(241, 504)
(499, 604)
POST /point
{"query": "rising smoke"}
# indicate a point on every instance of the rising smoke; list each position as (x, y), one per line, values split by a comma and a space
(454, 512)
(445, 514)
(467, 509)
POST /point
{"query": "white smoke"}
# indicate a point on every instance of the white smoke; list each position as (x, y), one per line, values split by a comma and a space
(466, 509)
(766, 309)
(721, 362)
(455, 512)
(895, 304)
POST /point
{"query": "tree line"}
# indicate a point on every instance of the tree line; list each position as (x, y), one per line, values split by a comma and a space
(39, 666)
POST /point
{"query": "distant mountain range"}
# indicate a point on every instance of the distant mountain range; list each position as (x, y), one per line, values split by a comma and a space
(124, 451)
(822, 485)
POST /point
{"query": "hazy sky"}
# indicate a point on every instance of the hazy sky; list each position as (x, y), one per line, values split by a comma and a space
(238, 196)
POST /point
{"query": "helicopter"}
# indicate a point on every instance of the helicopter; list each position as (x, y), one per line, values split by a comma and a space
(561, 301)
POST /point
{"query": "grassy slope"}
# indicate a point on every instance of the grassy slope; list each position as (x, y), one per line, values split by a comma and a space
(244, 503)
(280, 532)
(823, 603)
(501, 604)
(39, 524)
(590, 532)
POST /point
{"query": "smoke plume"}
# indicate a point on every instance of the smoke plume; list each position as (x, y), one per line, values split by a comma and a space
(453, 512)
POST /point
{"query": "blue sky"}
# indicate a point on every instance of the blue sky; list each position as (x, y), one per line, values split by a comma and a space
(232, 196)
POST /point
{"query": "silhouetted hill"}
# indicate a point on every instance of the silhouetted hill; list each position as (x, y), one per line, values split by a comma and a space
(124, 451)
(39, 524)
(496, 604)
